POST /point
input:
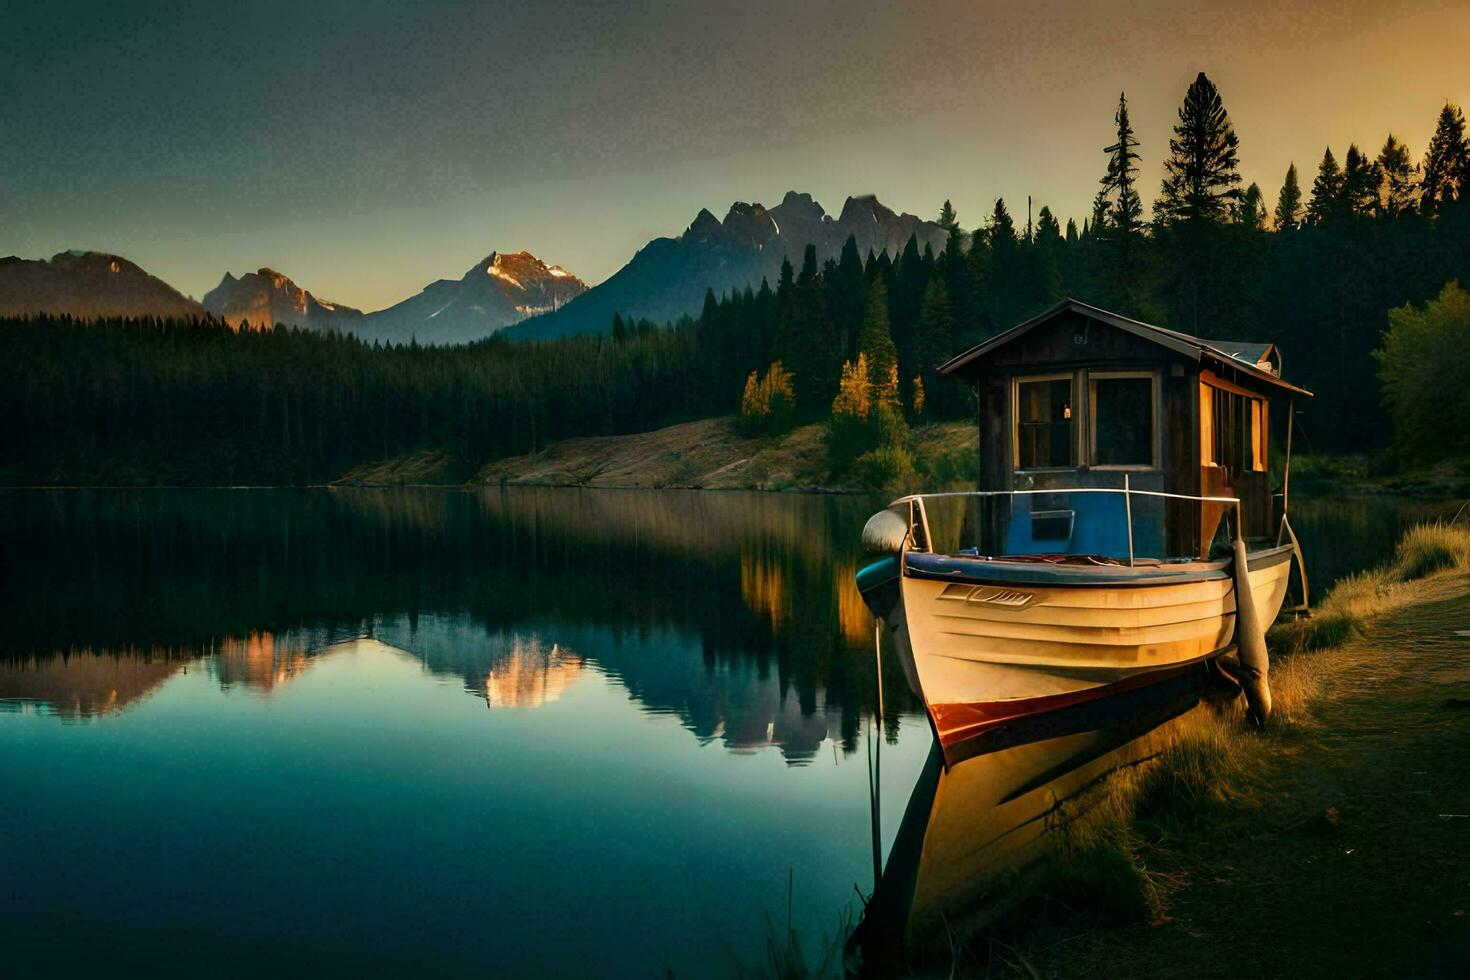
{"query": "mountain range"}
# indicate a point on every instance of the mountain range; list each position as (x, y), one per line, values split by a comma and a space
(516, 294)
(668, 277)
(88, 285)
(501, 289)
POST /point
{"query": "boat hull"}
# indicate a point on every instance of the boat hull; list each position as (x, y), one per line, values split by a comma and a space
(984, 643)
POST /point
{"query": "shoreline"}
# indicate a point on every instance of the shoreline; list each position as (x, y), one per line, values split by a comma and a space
(1261, 851)
(710, 454)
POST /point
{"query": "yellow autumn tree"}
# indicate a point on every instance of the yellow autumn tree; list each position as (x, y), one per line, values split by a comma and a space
(849, 429)
(767, 404)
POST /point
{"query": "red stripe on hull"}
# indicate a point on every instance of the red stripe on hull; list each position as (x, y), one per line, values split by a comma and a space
(959, 721)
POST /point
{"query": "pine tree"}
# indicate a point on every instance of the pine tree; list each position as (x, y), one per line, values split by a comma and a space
(948, 218)
(1326, 191)
(1251, 210)
(812, 350)
(1202, 170)
(1098, 226)
(1446, 162)
(1360, 180)
(1398, 179)
(934, 344)
(1289, 203)
(1126, 212)
(1002, 230)
(875, 345)
(1048, 229)
(847, 294)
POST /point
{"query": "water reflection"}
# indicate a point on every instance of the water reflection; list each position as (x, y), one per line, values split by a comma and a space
(734, 612)
(974, 835)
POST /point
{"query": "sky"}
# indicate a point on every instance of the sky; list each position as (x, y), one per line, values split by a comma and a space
(366, 149)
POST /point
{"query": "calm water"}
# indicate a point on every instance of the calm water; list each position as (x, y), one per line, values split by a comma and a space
(502, 732)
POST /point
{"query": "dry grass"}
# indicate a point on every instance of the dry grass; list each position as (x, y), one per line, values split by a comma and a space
(1355, 602)
(1114, 861)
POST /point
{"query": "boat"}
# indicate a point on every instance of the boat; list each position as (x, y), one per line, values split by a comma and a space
(1124, 527)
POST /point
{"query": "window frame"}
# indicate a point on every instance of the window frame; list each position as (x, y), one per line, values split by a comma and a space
(1074, 448)
(1156, 424)
(1257, 410)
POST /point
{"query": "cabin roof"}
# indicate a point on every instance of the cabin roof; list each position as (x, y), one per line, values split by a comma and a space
(1251, 359)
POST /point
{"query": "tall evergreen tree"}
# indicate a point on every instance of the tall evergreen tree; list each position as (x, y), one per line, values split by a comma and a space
(1120, 182)
(1251, 210)
(1398, 186)
(876, 347)
(1097, 227)
(934, 343)
(1002, 230)
(1289, 202)
(1326, 191)
(813, 345)
(1360, 180)
(847, 294)
(1446, 162)
(1203, 167)
(948, 218)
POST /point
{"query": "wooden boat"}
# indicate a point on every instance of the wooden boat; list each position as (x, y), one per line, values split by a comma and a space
(1113, 455)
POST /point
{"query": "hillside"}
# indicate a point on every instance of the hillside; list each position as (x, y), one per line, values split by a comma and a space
(708, 454)
(88, 285)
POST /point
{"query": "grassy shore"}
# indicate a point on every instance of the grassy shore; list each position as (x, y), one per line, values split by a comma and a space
(1332, 843)
(709, 454)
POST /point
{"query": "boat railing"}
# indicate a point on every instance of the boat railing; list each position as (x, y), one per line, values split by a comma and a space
(919, 513)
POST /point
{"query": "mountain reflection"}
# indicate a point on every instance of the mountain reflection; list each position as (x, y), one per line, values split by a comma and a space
(734, 612)
(531, 676)
(84, 684)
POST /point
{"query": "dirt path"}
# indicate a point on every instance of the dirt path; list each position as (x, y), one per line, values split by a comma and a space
(1352, 858)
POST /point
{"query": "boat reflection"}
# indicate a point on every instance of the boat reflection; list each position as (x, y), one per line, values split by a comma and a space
(975, 836)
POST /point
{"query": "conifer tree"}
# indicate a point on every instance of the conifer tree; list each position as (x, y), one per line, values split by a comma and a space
(1326, 191)
(1289, 202)
(847, 294)
(1071, 231)
(1360, 180)
(875, 345)
(1120, 182)
(1002, 230)
(1251, 210)
(811, 341)
(948, 218)
(1446, 162)
(934, 344)
(1203, 167)
(1398, 185)
(1098, 226)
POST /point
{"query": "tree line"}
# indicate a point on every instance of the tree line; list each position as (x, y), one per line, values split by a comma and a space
(854, 340)
(1316, 275)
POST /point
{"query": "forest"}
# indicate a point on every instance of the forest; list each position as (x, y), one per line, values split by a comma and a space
(852, 338)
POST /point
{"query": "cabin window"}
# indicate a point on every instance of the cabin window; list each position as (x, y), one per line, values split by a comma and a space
(1122, 412)
(1233, 431)
(1044, 423)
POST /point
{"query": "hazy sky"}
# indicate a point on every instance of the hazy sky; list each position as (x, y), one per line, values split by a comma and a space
(366, 149)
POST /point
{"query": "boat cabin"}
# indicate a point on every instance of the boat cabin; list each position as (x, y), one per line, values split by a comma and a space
(1078, 397)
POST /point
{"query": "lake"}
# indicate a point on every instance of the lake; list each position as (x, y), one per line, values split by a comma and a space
(504, 731)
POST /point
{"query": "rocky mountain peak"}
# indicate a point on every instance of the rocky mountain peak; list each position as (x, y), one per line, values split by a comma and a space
(704, 226)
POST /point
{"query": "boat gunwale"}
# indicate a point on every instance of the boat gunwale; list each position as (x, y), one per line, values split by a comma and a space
(989, 571)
